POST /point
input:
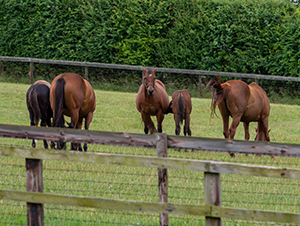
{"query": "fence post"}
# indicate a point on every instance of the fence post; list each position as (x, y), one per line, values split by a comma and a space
(212, 192)
(200, 86)
(34, 183)
(31, 72)
(161, 148)
(86, 70)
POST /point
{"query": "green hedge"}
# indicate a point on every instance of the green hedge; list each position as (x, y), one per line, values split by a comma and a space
(257, 36)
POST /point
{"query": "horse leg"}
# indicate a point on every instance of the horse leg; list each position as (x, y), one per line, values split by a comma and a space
(160, 117)
(31, 115)
(43, 124)
(145, 120)
(88, 120)
(187, 125)
(235, 123)
(78, 126)
(73, 124)
(177, 125)
(246, 128)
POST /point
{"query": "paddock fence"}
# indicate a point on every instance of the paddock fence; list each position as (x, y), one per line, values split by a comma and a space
(212, 208)
(200, 73)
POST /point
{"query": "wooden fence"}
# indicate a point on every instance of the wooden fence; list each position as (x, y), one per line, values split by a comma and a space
(212, 210)
(200, 73)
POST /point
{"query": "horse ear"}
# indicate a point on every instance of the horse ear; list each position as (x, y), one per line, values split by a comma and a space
(144, 70)
(154, 70)
(269, 130)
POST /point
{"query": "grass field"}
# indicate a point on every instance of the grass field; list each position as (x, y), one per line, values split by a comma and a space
(116, 112)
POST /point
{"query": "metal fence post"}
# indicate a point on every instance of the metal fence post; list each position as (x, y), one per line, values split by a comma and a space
(161, 148)
(212, 192)
(34, 183)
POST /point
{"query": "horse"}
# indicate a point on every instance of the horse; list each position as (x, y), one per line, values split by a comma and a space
(38, 105)
(73, 96)
(181, 107)
(244, 103)
(152, 100)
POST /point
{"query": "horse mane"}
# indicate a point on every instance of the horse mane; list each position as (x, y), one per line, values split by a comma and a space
(218, 93)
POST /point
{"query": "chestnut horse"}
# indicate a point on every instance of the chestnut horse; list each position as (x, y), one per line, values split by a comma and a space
(152, 100)
(245, 103)
(73, 96)
(38, 105)
(181, 107)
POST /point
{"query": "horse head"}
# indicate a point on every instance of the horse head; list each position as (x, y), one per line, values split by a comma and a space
(261, 135)
(149, 80)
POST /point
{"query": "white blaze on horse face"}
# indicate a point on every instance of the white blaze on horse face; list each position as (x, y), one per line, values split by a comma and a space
(150, 75)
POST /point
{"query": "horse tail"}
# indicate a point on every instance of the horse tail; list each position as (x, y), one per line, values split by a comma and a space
(34, 104)
(181, 107)
(58, 121)
(218, 93)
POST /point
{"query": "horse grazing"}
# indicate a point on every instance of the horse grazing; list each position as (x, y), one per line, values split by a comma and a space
(73, 96)
(181, 107)
(152, 100)
(38, 105)
(245, 103)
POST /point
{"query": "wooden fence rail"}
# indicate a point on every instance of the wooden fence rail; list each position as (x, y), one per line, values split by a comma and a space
(212, 210)
(200, 73)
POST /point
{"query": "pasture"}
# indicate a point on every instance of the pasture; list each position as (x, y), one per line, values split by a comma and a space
(116, 112)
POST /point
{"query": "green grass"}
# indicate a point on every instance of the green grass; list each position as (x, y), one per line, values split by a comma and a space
(116, 112)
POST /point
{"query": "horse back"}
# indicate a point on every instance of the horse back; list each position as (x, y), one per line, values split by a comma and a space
(236, 94)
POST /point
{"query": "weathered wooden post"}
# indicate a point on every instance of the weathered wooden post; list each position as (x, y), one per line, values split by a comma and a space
(212, 192)
(200, 86)
(31, 72)
(86, 70)
(161, 148)
(34, 183)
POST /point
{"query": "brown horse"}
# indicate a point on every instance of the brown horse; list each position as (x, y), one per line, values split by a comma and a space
(245, 103)
(38, 105)
(73, 96)
(181, 107)
(152, 100)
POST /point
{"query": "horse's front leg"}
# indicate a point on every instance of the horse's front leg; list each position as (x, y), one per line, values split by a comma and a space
(160, 117)
(148, 123)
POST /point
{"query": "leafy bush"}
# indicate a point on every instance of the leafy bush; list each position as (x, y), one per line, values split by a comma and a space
(258, 36)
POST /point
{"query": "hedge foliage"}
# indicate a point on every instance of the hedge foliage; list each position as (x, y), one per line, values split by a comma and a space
(257, 36)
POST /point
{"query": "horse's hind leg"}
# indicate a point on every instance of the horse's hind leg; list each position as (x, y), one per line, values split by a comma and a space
(88, 120)
(177, 125)
(246, 128)
(187, 129)
(43, 124)
(31, 115)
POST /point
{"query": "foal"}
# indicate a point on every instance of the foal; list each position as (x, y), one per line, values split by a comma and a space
(181, 107)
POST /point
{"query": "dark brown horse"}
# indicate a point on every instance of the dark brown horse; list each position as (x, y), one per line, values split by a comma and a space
(73, 96)
(181, 107)
(38, 105)
(244, 103)
(152, 100)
